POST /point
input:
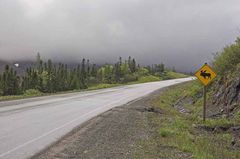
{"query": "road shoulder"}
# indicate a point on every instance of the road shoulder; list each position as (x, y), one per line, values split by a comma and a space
(113, 134)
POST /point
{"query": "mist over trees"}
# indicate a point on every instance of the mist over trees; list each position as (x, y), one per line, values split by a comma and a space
(49, 77)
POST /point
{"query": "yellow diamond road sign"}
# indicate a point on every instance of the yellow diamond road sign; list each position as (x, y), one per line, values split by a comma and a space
(205, 74)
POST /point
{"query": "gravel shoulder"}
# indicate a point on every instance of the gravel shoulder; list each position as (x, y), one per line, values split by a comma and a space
(152, 127)
(113, 134)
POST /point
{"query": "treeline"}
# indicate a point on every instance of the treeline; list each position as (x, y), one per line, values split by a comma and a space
(48, 77)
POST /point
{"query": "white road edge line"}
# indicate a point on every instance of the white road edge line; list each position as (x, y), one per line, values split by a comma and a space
(52, 131)
(60, 127)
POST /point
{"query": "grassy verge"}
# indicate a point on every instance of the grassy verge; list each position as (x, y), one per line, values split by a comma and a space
(173, 75)
(177, 135)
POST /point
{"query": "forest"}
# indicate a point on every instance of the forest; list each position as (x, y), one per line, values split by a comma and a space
(49, 77)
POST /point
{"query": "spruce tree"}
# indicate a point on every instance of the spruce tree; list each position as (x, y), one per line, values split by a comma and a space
(117, 72)
(88, 69)
(134, 67)
(10, 81)
(83, 77)
(1, 85)
(94, 71)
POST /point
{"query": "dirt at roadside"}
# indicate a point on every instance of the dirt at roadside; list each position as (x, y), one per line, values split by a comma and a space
(113, 134)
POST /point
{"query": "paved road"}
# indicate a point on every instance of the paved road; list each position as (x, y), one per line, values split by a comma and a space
(28, 126)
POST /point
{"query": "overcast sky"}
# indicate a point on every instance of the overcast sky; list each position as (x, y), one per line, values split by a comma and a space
(180, 33)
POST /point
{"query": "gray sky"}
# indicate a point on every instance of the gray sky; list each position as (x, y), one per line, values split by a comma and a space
(183, 33)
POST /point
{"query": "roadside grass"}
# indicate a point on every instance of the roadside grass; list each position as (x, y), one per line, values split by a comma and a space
(176, 135)
(14, 97)
(149, 78)
(32, 92)
(144, 79)
(102, 86)
(172, 75)
(27, 94)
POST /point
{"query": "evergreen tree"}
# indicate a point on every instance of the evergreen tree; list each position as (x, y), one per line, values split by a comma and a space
(88, 71)
(94, 71)
(117, 72)
(101, 74)
(10, 82)
(1, 85)
(130, 63)
(134, 68)
(120, 61)
(108, 77)
(83, 75)
(38, 61)
(48, 77)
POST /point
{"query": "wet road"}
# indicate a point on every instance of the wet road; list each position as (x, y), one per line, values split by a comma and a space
(28, 126)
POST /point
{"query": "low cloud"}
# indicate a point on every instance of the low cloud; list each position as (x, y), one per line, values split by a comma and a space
(183, 33)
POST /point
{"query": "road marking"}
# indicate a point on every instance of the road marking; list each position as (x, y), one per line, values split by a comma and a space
(13, 108)
(54, 130)
(108, 106)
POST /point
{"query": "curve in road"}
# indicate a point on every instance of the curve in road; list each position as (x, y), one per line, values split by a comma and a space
(30, 125)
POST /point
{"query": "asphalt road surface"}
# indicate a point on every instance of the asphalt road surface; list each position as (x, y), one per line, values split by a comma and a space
(27, 126)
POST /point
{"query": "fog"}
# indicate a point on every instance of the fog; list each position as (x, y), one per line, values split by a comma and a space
(183, 33)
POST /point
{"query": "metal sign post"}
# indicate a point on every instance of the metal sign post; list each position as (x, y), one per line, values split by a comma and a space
(205, 75)
(204, 102)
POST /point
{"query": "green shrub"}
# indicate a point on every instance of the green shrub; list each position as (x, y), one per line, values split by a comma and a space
(32, 92)
(149, 78)
(143, 72)
(228, 59)
(173, 75)
(130, 78)
(102, 85)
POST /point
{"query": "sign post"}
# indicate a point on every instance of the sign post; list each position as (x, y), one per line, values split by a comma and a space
(204, 102)
(205, 74)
